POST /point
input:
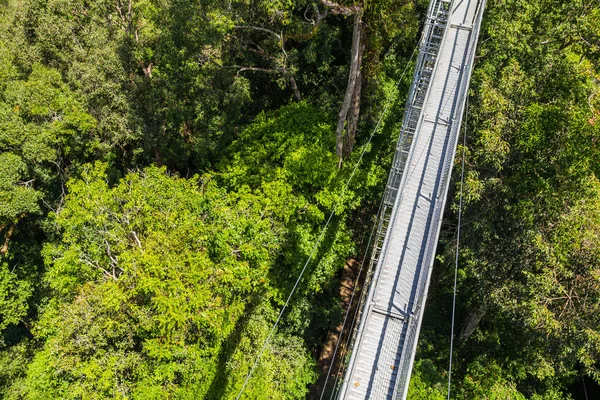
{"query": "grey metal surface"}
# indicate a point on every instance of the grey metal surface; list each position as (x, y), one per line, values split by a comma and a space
(386, 339)
(431, 39)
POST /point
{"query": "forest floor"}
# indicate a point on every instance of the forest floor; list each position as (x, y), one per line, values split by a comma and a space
(327, 353)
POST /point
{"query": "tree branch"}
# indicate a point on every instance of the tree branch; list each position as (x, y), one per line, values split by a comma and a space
(259, 28)
(4, 248)
(95, 265)
(137, 240)
(10, 231)
(257, 69)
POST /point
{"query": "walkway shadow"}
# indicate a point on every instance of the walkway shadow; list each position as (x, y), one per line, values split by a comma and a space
(218, 385)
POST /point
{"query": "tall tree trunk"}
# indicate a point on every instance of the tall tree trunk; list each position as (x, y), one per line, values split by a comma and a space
(354, 112)
(297, 94)
(352, 95)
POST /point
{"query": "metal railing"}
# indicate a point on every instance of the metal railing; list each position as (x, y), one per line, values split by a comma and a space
(429, 45)
(393, 344)
(414, 324)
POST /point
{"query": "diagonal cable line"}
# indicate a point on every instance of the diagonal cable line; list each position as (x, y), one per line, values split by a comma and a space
(362, 263)
(324, 229)
(460, 205)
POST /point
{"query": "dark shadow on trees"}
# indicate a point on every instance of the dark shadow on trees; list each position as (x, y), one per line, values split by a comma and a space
(219, 383)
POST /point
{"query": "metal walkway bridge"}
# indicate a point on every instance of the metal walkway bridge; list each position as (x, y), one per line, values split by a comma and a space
(409, 222)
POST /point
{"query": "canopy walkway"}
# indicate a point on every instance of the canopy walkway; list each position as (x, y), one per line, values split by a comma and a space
(409, 222)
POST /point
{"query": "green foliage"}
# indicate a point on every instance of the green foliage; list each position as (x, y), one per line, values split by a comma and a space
(15, 199)
(14, 361)
(294, 144)
(288, 156)
(42, 124)
(426, 382)
(529, 247)
(284, 363)
(145, 284)
(14, 293)
(149, 279)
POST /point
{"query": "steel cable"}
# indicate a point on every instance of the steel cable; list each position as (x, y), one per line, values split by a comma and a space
(324, 229)
(460, 205)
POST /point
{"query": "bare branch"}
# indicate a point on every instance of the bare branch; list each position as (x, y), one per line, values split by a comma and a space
(591, 98)
(112, 258)
(265, 70)
(312, 21)
(137, 240)
(320, 17)
(259, 28)
(262, 53)
(259, 49)
(95, 265)
(10, 231)
(146, 69)
(27, 184)
(242, 68)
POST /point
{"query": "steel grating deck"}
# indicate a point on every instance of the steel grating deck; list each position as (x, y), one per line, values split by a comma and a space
(385, 343)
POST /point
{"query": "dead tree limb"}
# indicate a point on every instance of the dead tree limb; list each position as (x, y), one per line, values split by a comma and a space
(259, 28)
(241, 68)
